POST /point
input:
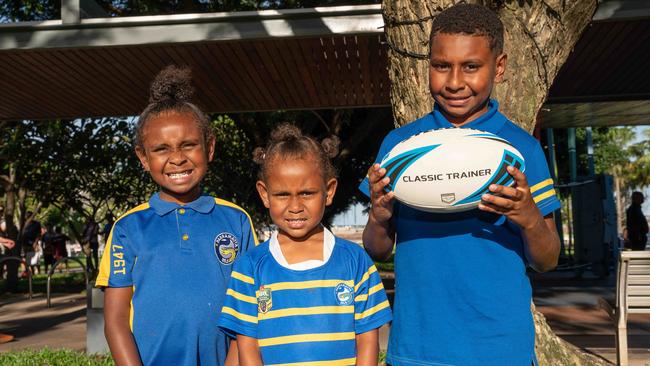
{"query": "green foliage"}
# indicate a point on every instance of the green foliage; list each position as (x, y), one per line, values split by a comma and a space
(51, 357)
(66, 282)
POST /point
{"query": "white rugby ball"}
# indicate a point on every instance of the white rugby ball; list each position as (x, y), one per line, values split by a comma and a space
(448, 170)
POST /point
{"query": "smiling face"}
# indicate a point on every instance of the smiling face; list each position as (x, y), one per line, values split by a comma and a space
(296, 195)
(175, 154)
(462, 72)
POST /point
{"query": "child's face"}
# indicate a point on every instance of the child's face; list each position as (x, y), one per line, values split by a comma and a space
(175, 155)
(296, 195)
(462, 72)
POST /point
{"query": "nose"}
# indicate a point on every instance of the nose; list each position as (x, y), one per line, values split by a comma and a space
(177, 157)
(455, 80)
(295, 205)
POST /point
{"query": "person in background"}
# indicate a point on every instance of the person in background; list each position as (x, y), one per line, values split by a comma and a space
(636, 223)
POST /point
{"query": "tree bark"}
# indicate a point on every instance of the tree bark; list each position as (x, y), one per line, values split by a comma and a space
(539, 37)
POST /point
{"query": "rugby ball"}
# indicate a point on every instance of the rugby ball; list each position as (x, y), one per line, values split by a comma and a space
(448, 170)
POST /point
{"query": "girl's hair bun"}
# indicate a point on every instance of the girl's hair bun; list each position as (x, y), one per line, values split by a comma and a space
(258, 155)
(331, 146)
(173, 84)
(285, 132)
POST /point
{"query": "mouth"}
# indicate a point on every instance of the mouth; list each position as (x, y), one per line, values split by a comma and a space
(296, 223)
(457, 101)
(179, 175)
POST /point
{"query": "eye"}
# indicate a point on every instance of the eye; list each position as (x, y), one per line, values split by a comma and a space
(159, 149)
(189, 145)
(307, 193)
(472, 67)
(439, 66)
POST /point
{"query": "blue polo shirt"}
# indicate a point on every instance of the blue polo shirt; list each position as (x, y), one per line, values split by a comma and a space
(462, 295)
(178, 260)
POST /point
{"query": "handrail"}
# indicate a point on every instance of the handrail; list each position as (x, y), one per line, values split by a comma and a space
(27, 268)
(51, 272)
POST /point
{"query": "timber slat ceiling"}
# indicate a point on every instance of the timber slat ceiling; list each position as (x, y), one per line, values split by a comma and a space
(309, 73)
(296, 59)
(608, 63)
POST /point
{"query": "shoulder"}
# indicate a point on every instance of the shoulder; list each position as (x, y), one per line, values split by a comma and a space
(258, 253)
(350, 248)
(230, 208)
(520, 138)
(134, 214)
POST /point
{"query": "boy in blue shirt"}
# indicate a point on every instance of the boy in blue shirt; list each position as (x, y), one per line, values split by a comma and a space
(462, 295)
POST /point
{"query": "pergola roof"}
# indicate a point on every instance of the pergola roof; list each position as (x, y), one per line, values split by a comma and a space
(287, 59)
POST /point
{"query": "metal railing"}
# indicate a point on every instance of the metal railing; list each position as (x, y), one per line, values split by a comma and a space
(27, 269)
(51, 272)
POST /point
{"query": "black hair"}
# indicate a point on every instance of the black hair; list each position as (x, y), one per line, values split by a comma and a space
(287, 141)
(172, 91)
(470, 19)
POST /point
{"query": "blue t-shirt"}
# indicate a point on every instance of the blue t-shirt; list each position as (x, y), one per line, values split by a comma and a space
(462, 295)
(178, 260)
(301, 316)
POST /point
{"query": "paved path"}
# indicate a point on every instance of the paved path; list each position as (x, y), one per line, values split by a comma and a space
(569, 305)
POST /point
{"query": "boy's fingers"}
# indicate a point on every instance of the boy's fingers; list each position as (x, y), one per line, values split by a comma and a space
(520, 178)
(498, 203)
(505, 191)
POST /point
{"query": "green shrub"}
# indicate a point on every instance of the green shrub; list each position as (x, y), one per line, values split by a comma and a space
(53, 357)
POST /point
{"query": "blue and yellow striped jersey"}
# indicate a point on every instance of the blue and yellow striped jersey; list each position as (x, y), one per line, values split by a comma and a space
(178, 260)
(312, 316)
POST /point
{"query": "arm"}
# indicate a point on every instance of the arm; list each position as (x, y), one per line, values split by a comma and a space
(249, 351)
(232, 358)
(367, 348)
(379, 233)
(7, 243)
(117, 306)
(542, 243)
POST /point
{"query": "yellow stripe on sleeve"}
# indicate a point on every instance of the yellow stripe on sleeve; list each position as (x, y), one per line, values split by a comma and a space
(241, 297)
(372, 290)
(342, 362)
(219, 201)
(365, 277)
(306, 284)
(302, 338)
(541, 185)
(242, 277)
(238, 315)
(544, 195)
(363, 297)
(372, 310)
(314, 310)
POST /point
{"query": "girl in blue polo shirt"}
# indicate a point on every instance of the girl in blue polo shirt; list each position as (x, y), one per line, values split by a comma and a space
(303, 296)
(167, 262)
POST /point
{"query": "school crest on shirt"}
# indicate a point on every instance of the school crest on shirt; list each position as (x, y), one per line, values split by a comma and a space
(344, 294)
(226, 247)
(264, 300)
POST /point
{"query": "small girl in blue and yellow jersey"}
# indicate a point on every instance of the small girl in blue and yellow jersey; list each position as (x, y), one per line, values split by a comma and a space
(304, 295)
(167, 262)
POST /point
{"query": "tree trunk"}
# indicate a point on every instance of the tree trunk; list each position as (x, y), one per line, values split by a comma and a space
(539, 37)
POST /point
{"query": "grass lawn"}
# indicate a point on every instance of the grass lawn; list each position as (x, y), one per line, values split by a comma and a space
(51, 357)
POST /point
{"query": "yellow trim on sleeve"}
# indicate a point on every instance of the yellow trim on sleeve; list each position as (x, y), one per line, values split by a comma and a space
(242, 277)
(241, 297)
(342, 362)
(219, 201)
(363, 297)
(365, 277)
(372, 310)
(301, 285)
(372, 290)
(131, 312)
(544, 195)
(238, 315)
(302, 338)
(314, 310)
(541, 185)
(105, 263)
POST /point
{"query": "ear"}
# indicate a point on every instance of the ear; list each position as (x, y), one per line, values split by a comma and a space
(142, 156)
(263, 192)
(501, 62)
(331, 191)
(210, 147)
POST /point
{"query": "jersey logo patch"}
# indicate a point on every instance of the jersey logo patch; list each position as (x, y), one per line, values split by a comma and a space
(344, 294)
(226, 247)
(264, 300)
